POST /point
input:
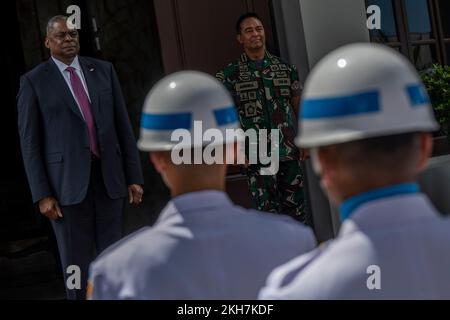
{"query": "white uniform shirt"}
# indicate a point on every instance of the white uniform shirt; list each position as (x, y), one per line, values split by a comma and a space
(202, 247)
(401, 236)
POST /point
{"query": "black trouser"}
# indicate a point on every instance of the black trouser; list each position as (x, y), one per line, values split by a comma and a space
(87, 229)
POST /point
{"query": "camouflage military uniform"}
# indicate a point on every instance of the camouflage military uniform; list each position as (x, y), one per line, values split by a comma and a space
(263, 92)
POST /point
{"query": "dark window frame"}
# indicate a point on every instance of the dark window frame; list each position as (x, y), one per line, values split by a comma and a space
(406, 45)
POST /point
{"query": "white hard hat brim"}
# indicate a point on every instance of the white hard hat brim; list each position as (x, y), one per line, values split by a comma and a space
(147, 145)
(343, 136)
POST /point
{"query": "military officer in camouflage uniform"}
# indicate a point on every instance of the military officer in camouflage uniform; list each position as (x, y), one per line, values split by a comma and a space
(267, 94)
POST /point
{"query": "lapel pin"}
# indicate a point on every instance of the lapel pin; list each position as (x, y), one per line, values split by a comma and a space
(92, 69)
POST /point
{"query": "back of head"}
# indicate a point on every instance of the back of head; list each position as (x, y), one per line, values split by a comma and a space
(373, 158)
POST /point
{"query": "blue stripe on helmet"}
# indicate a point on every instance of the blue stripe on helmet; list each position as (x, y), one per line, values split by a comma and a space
(166, 121)
(362, 103)
(418, 95)
(226, 115)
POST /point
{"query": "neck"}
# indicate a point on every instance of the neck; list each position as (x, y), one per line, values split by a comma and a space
(175, 192)
(65, 60)
(257, 54)
(359, 188)
(191, 184)
(347, 208)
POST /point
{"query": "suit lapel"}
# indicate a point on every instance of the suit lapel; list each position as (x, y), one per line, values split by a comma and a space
(90, 75)
(56, 81)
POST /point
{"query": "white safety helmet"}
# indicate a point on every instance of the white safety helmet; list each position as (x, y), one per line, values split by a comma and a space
(361, 91)
(179, 100)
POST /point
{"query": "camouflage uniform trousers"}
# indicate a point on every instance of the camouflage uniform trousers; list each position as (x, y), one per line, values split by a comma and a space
(281, 193)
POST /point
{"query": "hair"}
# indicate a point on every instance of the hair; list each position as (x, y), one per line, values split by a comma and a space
(393, 154)
(53, 20)
(243, 17)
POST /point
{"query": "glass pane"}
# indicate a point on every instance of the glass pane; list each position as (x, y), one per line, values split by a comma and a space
(388, 31)
(424, 57)
(419, 22)
(444, 10)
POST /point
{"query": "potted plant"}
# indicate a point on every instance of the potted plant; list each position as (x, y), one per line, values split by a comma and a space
(437, 83)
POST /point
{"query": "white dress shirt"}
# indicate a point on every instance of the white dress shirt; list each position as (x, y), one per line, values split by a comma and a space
(76, 65)
(202, 247)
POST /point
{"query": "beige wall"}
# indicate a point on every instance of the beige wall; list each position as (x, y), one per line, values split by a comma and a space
(307, 31)
(329, 24)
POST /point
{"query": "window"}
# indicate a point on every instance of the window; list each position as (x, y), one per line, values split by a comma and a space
(420, 29)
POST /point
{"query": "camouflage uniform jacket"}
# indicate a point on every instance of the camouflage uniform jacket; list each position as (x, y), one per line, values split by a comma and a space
(263, 95)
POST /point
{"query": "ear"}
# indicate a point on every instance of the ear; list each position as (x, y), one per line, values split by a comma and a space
(159, 160)
(47, 42)
(426, 148)
(328, 165)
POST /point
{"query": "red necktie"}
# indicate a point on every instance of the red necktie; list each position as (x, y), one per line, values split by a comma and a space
(85, 106)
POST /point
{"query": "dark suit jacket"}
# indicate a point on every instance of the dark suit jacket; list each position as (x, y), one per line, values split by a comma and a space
(54, 136)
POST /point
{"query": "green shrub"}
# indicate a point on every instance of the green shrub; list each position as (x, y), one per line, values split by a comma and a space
(437, 83)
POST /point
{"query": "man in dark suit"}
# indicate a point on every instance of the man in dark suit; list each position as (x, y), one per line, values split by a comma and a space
(78, 148)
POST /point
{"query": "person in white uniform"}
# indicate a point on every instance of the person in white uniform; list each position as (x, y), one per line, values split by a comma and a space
(366, 118)
(202, 246)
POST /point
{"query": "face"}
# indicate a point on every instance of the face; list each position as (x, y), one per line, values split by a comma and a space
(63, 41)
(252, 35)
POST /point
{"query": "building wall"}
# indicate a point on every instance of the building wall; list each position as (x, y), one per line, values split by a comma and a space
(308, 30)
(329, 24)
(128, 37)
(200, 34)
(291, 35)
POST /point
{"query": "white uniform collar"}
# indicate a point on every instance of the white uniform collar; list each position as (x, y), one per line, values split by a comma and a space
(384, 213)
(348, 207)
(62, 66)
(195, 201)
